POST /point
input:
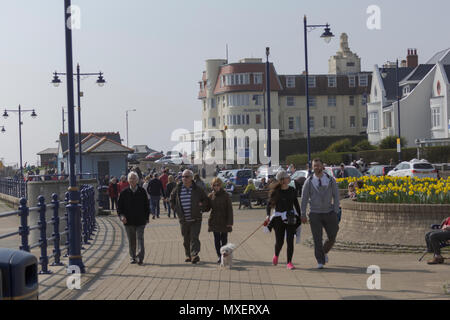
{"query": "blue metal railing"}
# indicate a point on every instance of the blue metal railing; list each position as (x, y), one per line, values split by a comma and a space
(13, 187)
(88, 225)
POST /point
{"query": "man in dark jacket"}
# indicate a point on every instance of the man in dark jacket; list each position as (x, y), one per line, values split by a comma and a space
(155, 190)
(189, 201)
(134, 211)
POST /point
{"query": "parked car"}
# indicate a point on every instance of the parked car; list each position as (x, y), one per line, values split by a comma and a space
(223, 175)
(154, 156)
(172, 159)
(132, 158)
(414, 168)
(379, 170)
(174, 153)
(350, 171)
(239, 177)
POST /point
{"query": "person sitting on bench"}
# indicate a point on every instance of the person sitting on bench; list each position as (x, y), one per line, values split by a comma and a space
(434, 239)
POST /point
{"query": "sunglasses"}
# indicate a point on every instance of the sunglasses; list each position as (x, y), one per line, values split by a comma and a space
(217, 185)
(186, 177)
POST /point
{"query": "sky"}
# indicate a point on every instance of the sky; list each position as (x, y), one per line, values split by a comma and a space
(152, 54)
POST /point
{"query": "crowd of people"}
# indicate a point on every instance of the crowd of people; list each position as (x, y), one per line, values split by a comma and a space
(185, 197)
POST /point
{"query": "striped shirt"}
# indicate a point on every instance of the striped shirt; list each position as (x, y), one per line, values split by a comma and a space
(185, 198)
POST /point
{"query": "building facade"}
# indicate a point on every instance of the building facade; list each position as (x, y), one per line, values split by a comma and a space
(233, 96)
(424, 103)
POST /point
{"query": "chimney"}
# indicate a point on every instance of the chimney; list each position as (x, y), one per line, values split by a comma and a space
(412, 60)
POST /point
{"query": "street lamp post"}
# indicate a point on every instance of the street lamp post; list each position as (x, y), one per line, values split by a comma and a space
(126, 112)
(384, 74)
(100, 81)
(327, 35)
(269, 134)
(19, 111)
(73, 208)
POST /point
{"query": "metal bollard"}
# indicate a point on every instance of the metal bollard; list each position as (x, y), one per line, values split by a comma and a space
(24, 229)
(56, 235)
(84, 214)
(66, 229)
(43, 259)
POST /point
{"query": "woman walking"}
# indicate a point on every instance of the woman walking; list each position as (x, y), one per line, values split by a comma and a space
(221, 218)
(284, 220)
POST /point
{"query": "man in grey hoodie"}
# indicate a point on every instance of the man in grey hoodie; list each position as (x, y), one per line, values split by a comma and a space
(321, 192)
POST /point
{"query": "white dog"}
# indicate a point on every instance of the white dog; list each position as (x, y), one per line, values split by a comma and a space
(227, 255)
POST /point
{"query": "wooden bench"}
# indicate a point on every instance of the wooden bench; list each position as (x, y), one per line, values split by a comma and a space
(260, 196)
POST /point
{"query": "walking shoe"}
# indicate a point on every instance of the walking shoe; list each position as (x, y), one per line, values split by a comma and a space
(436, 260)
(219, 260)
(290, 266)
(188, 259)
(140, 262)
(153, 218)
(275, 260)
(326, 258)
(195, 259)
(320, 266)
(133, 261)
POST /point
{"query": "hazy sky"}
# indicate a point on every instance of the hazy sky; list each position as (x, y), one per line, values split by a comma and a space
(153, 53)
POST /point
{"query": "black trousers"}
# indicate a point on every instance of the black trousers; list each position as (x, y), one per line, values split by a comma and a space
(113, 202)
(220, 239)
(283, 230)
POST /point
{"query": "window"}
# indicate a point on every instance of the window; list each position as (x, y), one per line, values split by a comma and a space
(312, 101)
(325, 122)
(248, 119)
(351, 81)
(351, 100)
(290, 101)
(234, 120)
(213, 122)
(311, 123)
(257, 78)
(291, 123)
(297, 120)
(406, 90)
(238, 100)
(222, 81)
(212, 103)
(332, 81)
(311, 81)
(436, 117)
(387, 120)
(258, 119)
(373, 122)
(204, 105)
(332, 122)
(352, 122)
(234, 79)
(364, 122)
(332, 101)
(258, 98)
(363, 80)
(290, 82)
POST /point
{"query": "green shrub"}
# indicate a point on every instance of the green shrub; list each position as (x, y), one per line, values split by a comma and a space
(344, 145)
(391, 143)
(363, 146)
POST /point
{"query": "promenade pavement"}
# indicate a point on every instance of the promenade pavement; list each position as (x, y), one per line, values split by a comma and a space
(166, 276)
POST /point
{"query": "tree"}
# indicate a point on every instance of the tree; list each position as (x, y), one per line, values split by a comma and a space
(363, 146)
(344, 145)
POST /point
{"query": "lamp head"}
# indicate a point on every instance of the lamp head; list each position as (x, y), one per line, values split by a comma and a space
(56, 81)
(33, 114)
(101, 81)
(327, 35)
(5, 115)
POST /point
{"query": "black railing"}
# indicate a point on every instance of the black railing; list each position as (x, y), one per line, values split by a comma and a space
(88, 225)
(13, 187)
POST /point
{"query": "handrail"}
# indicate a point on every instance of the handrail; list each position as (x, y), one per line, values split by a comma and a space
(88, 226)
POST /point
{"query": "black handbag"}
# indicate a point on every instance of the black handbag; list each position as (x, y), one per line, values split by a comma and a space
(291, 218)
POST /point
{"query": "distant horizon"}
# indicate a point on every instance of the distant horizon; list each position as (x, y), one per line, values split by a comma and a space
(153, 54)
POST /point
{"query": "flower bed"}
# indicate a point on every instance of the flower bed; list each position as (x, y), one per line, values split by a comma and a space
(405, 190)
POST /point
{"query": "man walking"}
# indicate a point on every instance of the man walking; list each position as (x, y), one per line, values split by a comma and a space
(156, 191)
(133, 210)
(188, 200)
(321, 192)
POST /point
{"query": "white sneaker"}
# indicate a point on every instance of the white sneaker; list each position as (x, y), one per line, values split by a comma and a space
(326, 258)
(320, 266)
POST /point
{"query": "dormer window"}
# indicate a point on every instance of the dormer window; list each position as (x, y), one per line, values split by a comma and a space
(290, 82)
(406, 90)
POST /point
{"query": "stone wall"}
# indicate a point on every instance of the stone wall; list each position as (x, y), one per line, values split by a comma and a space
(376, 223)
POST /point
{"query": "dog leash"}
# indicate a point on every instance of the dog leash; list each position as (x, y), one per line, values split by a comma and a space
(250, 235)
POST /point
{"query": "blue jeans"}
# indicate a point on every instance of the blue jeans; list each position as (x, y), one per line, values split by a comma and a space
(154, 205)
